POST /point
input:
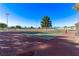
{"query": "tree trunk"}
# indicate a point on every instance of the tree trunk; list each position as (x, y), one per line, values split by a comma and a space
(46, 29)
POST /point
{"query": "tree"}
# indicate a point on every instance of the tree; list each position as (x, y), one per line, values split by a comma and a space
(18, 27)
(12, 27)
(76, 7)
(32, 27)
(38, 27)
(46, 22)
(65, 28)
(25, 27)
(3, 25)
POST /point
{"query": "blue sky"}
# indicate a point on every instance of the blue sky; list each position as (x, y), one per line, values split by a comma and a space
(30, 14)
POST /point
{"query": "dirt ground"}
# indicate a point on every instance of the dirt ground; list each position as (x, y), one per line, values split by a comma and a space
(25, 45)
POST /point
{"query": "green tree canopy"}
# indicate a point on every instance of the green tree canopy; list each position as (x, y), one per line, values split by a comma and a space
(18, 26)
(32, 27)
(46, 22)
(76, 7)
(12, 27)
(3, 25)
(65, 27)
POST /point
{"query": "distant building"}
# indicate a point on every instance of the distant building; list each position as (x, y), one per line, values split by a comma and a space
(70, 28)
(77, 28)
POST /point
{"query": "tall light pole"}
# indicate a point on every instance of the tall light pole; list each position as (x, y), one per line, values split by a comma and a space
(7, 14)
